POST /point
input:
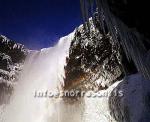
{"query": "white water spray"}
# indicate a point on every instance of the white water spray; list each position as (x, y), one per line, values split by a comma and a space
(43, 70)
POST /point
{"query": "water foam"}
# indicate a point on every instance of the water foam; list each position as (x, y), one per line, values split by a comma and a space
(43, 70)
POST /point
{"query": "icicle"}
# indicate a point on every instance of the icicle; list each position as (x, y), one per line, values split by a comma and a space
(101, 17)
(129, 39)
(83, 13)
(87, 16)
(134, 48)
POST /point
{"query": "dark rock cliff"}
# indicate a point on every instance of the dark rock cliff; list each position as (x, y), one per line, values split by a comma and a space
(133, 106)
(92, 56)
(134, 14)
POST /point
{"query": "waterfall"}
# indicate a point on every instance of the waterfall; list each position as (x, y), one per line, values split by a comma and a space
(43, 70)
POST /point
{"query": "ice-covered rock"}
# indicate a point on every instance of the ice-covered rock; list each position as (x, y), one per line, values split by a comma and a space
(12, 56)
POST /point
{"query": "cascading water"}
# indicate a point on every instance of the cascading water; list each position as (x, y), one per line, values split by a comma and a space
(44, 70)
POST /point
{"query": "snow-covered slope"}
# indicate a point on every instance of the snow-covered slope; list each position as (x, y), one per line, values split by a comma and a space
(12, 56)
(43, 70)
(134, 105)
(80, 61)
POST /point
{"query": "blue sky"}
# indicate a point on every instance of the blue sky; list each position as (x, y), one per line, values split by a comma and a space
(38, 23)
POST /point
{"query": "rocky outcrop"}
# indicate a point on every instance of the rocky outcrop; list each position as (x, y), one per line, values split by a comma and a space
(12, 56)
(94, 60)
(94, 63)
(90, 50)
